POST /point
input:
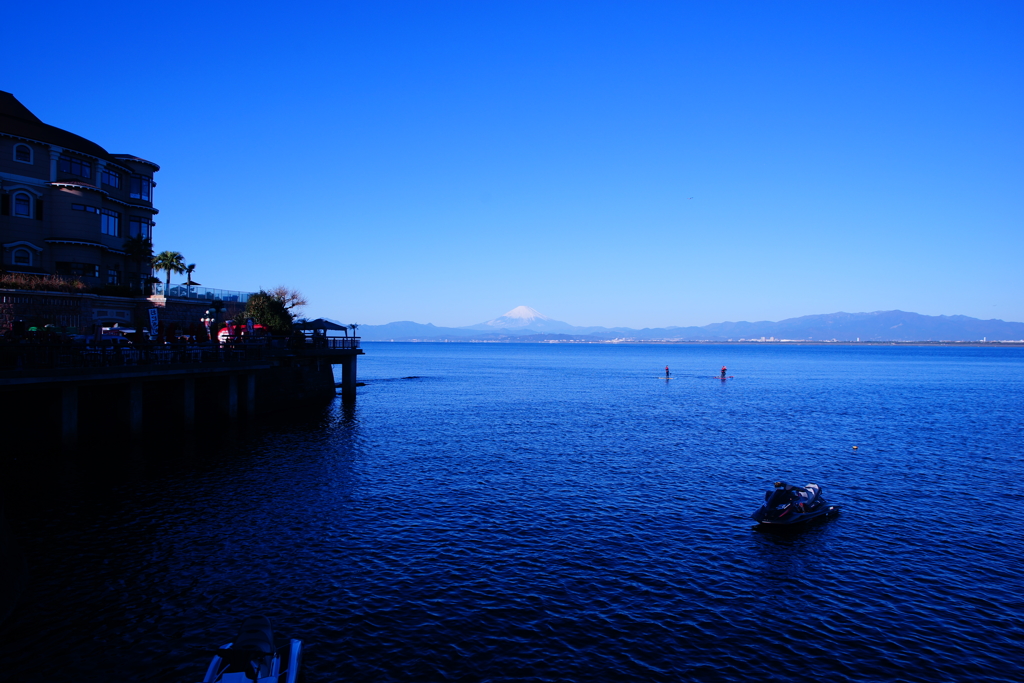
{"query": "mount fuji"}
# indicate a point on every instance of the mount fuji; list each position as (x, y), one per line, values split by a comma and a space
(522, 318)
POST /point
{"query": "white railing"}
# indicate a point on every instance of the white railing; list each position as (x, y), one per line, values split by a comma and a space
(197, 293)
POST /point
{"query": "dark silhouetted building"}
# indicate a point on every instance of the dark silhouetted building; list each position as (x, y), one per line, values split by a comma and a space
(67, 206)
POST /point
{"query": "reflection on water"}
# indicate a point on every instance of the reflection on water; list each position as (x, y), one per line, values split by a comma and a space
(524, 512)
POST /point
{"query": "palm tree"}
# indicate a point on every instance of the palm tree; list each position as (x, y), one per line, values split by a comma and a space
(171, 261)
(189, 269)
(140, 250)
(354, 327)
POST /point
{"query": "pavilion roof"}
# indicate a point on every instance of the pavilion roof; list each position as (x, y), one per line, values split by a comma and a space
(319, 324)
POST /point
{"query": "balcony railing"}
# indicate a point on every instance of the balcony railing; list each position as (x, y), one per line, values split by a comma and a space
(46, 356)
(333, 343)
(197, 293)
(37, 356)
(343, 342)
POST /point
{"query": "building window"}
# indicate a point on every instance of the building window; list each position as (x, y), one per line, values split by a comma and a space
(69, 269)
(142, 188)
(139, 227)
(22, 205)
(113, 276)
(110, 222)
(23, 153)
(76, 166)
(111, 178)
(22, 257)
(83, 207)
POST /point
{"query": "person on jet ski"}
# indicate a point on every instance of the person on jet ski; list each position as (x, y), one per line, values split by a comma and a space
(792, 491)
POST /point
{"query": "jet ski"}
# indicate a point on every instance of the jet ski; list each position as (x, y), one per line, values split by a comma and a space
(255, 655)
(786, 505)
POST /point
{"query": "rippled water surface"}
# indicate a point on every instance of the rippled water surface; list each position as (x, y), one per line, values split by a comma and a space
(511, 512)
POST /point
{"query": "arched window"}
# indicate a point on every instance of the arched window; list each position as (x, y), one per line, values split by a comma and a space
(22, 205)
(23, 153)
(21, 257)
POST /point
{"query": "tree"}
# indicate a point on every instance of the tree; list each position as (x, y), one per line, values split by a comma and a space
(354, 327)
(269, 311)
(289, 298)
(189, 269)
(140, 250)
(171, 261)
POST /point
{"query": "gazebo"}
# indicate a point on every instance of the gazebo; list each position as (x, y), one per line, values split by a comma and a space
(320, 324)
(315, 330)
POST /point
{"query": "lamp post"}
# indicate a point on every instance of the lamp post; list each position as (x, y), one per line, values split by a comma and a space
(213, 318)
(207, 320)
(218, 311)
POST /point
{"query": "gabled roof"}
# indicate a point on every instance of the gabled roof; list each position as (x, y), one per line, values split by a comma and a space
(17, 120)
(10, 106)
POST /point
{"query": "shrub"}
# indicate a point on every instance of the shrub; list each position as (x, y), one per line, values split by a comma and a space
(41, 283)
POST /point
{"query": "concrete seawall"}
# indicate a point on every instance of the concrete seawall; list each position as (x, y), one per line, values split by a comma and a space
(13, 570)
(62, 423)
(127, 399)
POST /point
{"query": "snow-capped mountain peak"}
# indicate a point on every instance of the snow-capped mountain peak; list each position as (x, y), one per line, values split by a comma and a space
(523, 313)
(523, 318)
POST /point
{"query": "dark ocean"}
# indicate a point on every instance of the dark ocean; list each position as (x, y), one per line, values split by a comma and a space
(560, 512)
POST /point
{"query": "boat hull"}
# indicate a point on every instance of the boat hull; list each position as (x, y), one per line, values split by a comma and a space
(801, 518)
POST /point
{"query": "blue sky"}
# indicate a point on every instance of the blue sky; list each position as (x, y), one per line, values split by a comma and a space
(445, 162)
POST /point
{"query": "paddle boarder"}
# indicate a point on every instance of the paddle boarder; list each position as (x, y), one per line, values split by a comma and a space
(666, 371)
(723, 372)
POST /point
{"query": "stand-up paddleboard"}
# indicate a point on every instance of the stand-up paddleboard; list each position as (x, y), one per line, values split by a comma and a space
(720, 377)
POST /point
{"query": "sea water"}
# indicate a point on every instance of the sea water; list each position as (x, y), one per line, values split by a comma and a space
(562, 512)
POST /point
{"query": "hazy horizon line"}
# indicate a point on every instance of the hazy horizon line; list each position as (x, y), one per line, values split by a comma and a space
(719, 322)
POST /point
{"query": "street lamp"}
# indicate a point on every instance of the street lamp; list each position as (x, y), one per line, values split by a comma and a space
(208, 320)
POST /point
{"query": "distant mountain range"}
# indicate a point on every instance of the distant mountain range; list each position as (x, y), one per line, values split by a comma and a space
(525, 324)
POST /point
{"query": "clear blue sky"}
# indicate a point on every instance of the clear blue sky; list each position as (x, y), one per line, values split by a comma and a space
(446, 161)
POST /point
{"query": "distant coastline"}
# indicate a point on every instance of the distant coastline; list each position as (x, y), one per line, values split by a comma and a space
(524, 324)
(745, 342)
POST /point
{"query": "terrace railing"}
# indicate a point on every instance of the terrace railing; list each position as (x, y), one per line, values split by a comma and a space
(342, 342)
(197, 293)
(16, 356)
(308, 341)
(50, 356)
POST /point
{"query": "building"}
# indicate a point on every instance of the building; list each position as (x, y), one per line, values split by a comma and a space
(68, 207)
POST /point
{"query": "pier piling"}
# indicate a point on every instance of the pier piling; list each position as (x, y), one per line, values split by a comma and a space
(69, 416)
